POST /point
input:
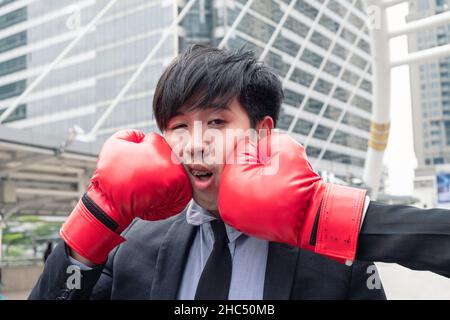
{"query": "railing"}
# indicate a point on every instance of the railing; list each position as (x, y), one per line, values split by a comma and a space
(20, 262)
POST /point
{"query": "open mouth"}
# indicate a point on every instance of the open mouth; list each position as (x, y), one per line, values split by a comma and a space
(202, 176)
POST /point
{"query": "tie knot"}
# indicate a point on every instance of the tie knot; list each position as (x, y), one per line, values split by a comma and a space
(219, 230)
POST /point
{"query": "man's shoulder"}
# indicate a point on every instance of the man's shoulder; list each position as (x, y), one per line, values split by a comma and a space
(145, 230)
(143, 241)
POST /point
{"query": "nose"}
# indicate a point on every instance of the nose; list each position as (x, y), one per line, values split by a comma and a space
(193, 152)
(196, 149)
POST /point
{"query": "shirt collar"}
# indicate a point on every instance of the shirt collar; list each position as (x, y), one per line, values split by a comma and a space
(197, 216)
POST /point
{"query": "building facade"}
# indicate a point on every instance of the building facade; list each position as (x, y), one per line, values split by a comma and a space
(319, 48)
(430, 89)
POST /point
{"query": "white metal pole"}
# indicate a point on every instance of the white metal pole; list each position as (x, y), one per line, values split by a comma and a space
(422, 56)
(421, 24)
(381, 100)
(391, 3)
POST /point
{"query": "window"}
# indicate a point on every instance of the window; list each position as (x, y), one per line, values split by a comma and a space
(12, 89)
(322, 132)
(286, 45)
(356, 121)
(439, 160)
(323, 86)
(366, 86)
(284, 120)
(295, 26)
(337, 8)
(341, 94)
(343, 158)
(362, 103)
(303, 127)
(306, 9)
(357, 22)
(332, 68)
(302, 77)
(329, 23)
(18, 114)
(320, 40)
(340, 51)
(314, 106)
(267, 8)
(276, 62)
(349, 140)
(311, 58)
(313, 151)
(256, 28)
(5, 2)
(364, 45)
(350, 77)
(13, 65)
(292, 98)
(13, 41)
(348, 36)
(13, 17)
(332, 113)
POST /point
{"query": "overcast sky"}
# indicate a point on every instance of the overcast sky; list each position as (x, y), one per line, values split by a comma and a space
(399, 156)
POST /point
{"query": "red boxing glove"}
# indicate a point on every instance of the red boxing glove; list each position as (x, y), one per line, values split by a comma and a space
(269, 190)
(136, 176)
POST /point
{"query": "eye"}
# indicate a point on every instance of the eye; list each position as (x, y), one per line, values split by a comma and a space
(217, 122)
(178, 126)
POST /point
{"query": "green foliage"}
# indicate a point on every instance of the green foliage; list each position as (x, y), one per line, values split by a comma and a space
(24, 234)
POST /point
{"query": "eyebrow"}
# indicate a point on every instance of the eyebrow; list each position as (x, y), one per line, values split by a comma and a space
(180, 113)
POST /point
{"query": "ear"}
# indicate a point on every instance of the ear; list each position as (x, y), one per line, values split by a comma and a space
(265, 126)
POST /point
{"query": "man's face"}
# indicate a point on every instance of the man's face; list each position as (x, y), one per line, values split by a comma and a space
(203, 139)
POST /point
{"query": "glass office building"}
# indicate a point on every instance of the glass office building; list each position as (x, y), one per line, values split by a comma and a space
(430, 87)
(430, 95)
(320, 49)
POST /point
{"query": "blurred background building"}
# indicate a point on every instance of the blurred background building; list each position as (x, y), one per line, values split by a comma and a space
(77, 91)
(322, 42)
(320, 49)
(430, 89)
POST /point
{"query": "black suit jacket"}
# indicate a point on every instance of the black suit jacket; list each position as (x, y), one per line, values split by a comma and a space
(416, 238)
(150, 264)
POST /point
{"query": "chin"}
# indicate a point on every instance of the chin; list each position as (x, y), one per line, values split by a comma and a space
(207, 203)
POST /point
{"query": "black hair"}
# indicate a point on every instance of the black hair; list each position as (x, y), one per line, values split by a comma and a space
(204, 77)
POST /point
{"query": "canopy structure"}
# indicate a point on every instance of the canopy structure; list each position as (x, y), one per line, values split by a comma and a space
(42, 175)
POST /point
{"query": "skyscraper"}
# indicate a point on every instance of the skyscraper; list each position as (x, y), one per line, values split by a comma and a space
(430, 88)
(319, 48)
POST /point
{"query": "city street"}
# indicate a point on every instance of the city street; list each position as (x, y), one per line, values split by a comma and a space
(402, 283)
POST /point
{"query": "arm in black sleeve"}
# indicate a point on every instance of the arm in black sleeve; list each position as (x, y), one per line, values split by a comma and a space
(418, 239)
(365, 282)
(57, 282)
(63, 280)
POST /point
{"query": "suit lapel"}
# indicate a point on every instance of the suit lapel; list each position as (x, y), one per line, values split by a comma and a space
(280, 271)
(171, 260)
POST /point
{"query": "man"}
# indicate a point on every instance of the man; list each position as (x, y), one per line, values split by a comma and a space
(233, 102)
